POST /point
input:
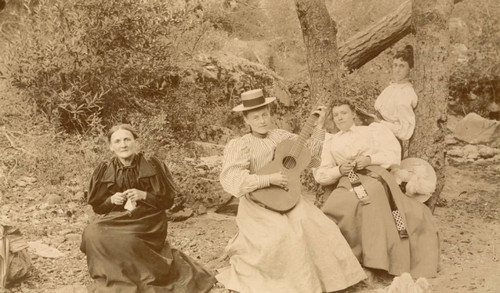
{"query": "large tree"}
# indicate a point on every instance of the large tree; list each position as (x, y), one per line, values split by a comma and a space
(320, 37)
(430, 21)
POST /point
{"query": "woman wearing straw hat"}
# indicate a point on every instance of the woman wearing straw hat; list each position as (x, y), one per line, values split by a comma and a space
(297, 251)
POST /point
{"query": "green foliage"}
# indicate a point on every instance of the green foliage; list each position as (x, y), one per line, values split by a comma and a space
(89, 64)
(471, 87)
(474, 83)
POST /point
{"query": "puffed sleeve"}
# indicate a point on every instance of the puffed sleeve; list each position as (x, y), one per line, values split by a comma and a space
(328, 172)
(162, 190)
(235, 176)
(98, 196)
(405, 125)
(385, 150)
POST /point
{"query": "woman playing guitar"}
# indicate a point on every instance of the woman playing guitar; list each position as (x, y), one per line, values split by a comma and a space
(300, 250)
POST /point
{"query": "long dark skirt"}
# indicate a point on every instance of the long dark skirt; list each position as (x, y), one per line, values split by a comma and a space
(371, 232)
(128, 253)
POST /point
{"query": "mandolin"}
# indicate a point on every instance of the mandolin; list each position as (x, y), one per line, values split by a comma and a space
(291, 158)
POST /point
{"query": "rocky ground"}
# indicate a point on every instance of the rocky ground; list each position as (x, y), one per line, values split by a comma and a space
(468, 217)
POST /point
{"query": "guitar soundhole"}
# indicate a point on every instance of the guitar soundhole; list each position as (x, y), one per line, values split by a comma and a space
(289, 162)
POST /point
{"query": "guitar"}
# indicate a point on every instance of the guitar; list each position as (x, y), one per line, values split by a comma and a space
(291, 158)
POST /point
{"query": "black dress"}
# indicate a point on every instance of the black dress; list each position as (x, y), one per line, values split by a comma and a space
(126, 250)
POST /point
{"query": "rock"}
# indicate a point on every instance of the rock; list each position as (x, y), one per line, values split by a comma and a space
(210, 163)
(44, 250)
(202, 210)
(455, 152)
(65, 231)
(70, 289)
(459, 31)
(475, 129)
(21, 183)
(205, 149)
(452, 121)
(29, 180)
(471, 152)
(73, 237)
(487, 152)
(405, 283)
(53, 198)
(182, 215)
(450, 140)
(458, 53)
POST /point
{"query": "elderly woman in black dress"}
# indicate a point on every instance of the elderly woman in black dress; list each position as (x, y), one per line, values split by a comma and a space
(126, 248)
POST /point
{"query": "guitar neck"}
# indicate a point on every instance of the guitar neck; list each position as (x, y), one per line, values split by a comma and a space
(304, 134)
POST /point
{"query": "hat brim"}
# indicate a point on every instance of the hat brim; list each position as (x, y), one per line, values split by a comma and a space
(241, 108)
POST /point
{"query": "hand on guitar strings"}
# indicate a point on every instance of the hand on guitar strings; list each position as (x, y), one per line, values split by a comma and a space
(322, 114)
(278, 179)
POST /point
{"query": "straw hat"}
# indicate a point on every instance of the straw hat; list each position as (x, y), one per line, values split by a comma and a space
(253, 99)
(420, 177)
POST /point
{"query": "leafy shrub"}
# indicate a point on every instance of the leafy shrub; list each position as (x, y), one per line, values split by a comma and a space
(89, 64)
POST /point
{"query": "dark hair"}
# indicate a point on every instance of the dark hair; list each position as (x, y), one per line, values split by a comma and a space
(127, 127)
(406, 54)
(343, 101)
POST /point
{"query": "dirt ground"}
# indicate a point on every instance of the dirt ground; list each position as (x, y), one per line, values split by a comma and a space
(467, 217)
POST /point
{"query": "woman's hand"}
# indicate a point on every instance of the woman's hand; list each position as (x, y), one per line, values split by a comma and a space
(363, 162)
(346, 167)
(278, 179)
(135, 194)
(321, 112)
(118, 198)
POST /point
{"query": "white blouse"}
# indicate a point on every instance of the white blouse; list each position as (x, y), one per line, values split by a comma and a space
(245, 155)
(396, 104)
(375, 141)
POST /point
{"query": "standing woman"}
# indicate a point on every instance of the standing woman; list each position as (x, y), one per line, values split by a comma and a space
(396, 102)
(126, 248)
(294, 252)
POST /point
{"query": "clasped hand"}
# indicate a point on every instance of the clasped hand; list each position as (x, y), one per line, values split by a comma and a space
(133, 194)
(359, 163)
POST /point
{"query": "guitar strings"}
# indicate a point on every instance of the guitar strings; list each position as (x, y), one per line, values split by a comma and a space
(288, 163)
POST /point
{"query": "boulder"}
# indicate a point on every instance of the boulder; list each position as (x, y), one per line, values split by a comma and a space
(181, 215)
(487, 152)
(459, 31)
(458, 53)
(475, 129)
(452, 121)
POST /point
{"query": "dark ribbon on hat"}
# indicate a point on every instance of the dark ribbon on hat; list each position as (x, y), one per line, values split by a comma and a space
(254, 102)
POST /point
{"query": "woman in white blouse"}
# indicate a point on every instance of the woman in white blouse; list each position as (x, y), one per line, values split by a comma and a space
(396, 102)
(298, 251)
(385, 229)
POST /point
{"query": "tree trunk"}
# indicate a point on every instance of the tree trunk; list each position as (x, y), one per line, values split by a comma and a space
(367, 44)
(430, 21)
(320, 38)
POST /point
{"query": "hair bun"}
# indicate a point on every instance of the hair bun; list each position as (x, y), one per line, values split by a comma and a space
(405, 54)
(409, 49)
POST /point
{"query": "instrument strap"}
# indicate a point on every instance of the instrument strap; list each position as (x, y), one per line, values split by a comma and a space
(363, 197)
(358, 187)
(396, 214)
